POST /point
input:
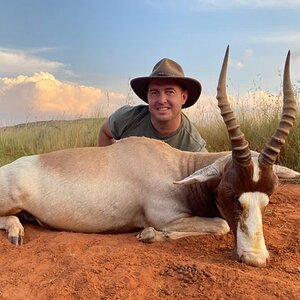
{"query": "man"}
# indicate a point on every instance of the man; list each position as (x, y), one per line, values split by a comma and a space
(166, 91)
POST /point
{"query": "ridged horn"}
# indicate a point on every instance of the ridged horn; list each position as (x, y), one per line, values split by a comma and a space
(271, 150)
(240, 147)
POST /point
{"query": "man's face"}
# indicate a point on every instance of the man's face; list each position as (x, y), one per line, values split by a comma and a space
(165, 98)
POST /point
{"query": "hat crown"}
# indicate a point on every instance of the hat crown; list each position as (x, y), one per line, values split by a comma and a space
(167, 67)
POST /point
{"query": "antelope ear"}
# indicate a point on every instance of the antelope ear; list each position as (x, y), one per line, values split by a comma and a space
(211, 171)
(201, 175)
(285, 173)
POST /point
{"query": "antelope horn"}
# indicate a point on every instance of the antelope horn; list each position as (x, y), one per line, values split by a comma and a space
(240, 147)
(271, 150)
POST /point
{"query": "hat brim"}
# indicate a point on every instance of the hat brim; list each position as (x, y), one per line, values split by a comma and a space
(140, 87)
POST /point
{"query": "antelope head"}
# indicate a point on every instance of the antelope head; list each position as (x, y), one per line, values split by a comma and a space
(247, 183)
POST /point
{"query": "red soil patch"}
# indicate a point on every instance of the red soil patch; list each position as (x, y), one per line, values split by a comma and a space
(64, 265)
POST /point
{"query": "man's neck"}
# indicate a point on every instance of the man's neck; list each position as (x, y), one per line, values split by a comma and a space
(168, 127)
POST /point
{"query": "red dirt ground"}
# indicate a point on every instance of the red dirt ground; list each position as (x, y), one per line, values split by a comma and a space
(65, 265)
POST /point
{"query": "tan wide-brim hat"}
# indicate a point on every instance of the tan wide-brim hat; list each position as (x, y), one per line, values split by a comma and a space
(168, 69)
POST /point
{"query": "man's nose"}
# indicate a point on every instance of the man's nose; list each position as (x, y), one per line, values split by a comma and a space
(162, 97)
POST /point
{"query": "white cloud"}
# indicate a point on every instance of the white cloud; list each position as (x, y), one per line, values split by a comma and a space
(296, 56)
(42, 96)
(14, 61)
(278, 37)
(248, 53)
(238, 64)
(249, 4)
(267, 3)
(39, 50)
(201, 5)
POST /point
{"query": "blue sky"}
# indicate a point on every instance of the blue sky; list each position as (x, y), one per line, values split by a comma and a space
(97, 46)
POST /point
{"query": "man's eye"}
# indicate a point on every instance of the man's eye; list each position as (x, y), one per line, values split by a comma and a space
(170, 92)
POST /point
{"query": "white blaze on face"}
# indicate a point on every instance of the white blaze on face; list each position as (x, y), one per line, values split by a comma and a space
(256, 170)
(251, 246)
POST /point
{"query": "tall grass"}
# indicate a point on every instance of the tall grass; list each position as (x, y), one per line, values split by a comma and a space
(258, 131)
(40, 137)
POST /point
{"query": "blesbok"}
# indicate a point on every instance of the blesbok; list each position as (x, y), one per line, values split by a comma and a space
(130, 185)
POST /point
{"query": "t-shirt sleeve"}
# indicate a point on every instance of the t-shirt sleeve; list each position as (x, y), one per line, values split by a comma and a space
(202, 147)
(120, 120)
(194, 140)
(198, 144)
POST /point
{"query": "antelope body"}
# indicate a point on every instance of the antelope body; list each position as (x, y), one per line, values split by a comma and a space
(130, 185)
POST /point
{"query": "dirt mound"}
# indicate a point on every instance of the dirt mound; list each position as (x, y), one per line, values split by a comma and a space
(64, 265)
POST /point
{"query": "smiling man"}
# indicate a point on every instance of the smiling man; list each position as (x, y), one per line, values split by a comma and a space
(166, 91)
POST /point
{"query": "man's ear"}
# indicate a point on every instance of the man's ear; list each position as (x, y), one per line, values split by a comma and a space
(185, 95)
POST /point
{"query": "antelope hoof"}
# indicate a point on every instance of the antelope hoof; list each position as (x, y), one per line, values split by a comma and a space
(16, 240)
(15, 230)
(147, 235)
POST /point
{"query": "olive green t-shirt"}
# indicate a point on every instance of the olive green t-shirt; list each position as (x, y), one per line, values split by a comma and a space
(135, 121)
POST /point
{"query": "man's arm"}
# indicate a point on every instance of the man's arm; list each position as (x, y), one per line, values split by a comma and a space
(105, 136)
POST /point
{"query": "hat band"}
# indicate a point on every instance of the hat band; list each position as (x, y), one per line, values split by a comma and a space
(164, 74)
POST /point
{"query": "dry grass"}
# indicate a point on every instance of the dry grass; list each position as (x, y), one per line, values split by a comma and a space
(258, 119)
(41, 137)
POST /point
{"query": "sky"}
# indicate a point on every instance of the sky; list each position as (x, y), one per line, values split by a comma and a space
(75, 58)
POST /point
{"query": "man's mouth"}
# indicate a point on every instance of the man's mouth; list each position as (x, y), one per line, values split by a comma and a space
(162, 108)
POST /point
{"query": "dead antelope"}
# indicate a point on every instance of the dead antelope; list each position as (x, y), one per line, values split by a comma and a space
(130, 185)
